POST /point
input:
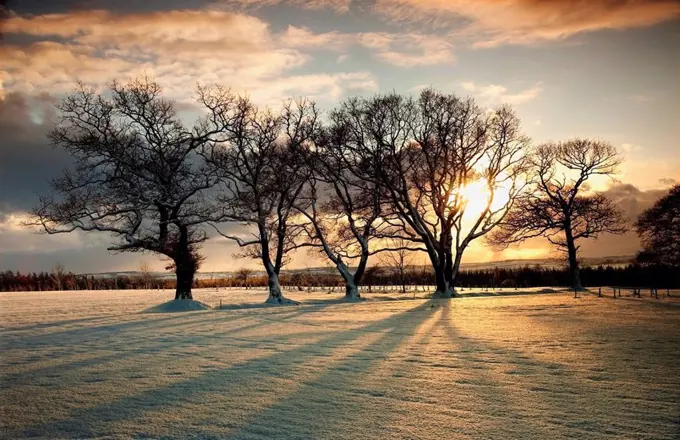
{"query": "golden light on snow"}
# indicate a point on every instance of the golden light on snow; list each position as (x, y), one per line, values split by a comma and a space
(528, 366)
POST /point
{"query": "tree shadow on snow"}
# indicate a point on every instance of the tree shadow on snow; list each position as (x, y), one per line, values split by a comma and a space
(101, 419)
(130, 340)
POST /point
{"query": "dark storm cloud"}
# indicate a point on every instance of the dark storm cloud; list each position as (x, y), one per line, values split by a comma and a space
(632, 201)
(27, 161)
(123, 6)
(84, 260)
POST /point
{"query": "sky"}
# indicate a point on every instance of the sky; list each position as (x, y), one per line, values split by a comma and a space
(606, 69)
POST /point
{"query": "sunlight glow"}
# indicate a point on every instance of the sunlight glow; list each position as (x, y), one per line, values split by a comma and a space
(476, 195)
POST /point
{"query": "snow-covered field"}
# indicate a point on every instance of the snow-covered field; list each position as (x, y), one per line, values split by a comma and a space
(542, 366)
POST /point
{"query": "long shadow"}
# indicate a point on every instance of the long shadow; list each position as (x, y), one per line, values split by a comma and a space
(339, 398)
(133, 348)
(43, 325)
(84, 334)
(94, 422)
(113, 330)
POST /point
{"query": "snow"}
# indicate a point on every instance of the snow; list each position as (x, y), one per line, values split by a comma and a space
(531, 366)
(178, 305)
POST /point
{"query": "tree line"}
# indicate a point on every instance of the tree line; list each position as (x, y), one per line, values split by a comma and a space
(383, 174)
(375, 278)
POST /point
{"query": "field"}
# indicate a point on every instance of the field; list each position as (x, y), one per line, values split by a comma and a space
(531, 366)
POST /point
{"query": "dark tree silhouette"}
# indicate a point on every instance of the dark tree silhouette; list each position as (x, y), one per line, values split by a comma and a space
(560, 205)
(136, 175)
(243, 276)
(428, 150)
(659, 228)
(262, 170)
(342, 208)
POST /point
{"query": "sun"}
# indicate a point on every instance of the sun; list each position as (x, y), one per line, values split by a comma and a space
(476, 195)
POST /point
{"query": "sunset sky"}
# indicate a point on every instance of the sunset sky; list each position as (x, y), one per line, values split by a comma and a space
(607, 69)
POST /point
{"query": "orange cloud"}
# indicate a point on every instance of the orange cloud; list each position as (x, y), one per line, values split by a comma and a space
(495, 22)
(180, 48)
(493, 94)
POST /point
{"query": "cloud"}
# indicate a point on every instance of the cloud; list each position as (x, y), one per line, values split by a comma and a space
(335, 5)
(632, 201)
(403, 50)
(491, 22)
(667, 181)
(409, 50)
(27, 161)
(497, 94)
(630, 148)
(179, 48)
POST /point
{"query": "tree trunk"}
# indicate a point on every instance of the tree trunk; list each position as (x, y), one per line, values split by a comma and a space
(573, 262)
(444, 287)
(275, 294)
(184, 271)
(444, 275)
(351, 288)
(456, 268)
(185, 265)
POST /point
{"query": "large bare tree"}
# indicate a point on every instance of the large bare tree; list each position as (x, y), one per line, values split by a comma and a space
(341, 207)
(136, 174)
(560, 205)
(429, 151)
(262, 171)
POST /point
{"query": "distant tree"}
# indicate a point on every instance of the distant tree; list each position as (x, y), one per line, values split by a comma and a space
(298, 279)
(429, 152)
(560, 206)
(145, 273)
(58, 275)
(137, 174)
(243, 275)
(398, 261)
(371, 276)
(262, 175)
(659, 228)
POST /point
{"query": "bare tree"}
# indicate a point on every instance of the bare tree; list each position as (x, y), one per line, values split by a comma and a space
(145, 273)
(342, 208)
(429, 150)
(371, 275)
(58, 275)
(398, 261)
(659, 228)
(262, 175)
(243, 275)
(136, 175)
(560, 205)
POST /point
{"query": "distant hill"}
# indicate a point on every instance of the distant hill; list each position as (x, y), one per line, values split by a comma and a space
(617, 260)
